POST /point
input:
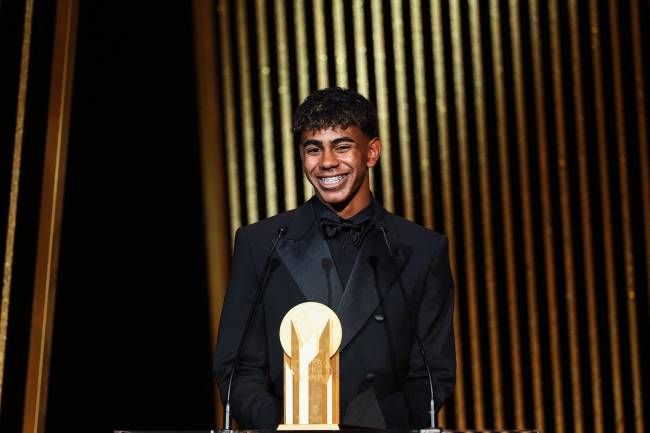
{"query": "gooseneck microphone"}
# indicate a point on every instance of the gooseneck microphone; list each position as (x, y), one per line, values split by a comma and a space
(259, 294)
(432, 403)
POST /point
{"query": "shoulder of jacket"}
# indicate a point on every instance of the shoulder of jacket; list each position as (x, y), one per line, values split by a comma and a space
(415, 231)
(268, 224)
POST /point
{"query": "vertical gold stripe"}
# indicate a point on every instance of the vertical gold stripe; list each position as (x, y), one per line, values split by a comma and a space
(547, 217)
(230, 125)
(361, 51)
(211, 150)
(212, 159)
(402, 109)
(628, 245)
(322, 76)
(302, 55)
(51, 216)
(486, 213)
(565, 215)
(264, 70)
(642, 127)
(308, 188)
(382, 103)
(340, 54)
(506, 205)
(360, 58)
(248, 129)
(284, 92)
(466, 198)
(610, 276)
(529, 250)
(419, 76)
(302, 61)
(447, 189)
(585, 205)
(15, 182)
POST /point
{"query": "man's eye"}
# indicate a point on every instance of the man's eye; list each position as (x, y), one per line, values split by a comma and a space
(312, 151)
(343, 147)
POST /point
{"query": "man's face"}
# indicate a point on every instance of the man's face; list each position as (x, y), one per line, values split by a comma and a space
(336, 163)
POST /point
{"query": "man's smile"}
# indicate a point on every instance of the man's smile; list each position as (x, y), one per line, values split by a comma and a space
(332, 181)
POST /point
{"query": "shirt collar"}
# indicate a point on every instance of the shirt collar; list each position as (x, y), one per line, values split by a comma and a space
(321, 210)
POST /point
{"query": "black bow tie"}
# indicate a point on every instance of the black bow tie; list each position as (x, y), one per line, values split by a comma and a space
(356, 232)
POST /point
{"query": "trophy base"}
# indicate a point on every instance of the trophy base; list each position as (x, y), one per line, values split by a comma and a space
(309, 427)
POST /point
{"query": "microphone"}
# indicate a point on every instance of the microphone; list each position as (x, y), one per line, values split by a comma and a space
(433, 428)
(259, 293)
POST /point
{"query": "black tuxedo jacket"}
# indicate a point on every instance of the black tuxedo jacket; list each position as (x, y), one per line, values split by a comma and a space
(383, 378)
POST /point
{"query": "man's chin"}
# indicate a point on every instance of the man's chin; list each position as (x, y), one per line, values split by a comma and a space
(335, 200)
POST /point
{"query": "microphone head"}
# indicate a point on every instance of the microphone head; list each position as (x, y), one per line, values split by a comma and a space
(384, 234)
(276, 241)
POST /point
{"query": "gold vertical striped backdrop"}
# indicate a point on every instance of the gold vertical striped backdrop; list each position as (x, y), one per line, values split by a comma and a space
(518, 129)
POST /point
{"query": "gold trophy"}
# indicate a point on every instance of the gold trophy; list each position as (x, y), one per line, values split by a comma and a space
(310, 334)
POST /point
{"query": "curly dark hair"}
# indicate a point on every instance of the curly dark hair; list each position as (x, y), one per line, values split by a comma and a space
(334, 107)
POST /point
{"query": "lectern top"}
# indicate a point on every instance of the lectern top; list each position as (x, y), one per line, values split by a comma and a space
(353, 430)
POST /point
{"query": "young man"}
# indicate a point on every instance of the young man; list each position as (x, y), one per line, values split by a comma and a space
(342, 249)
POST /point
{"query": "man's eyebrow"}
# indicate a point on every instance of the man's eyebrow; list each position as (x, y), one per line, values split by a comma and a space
(338, 140)
(342, 140)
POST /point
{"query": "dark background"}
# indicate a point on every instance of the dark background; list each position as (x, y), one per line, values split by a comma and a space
(131, 345)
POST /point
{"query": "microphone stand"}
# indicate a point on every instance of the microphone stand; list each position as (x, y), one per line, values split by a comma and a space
(433, 428)
(259, 293)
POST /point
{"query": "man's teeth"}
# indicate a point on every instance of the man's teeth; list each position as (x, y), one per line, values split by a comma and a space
(333, 179)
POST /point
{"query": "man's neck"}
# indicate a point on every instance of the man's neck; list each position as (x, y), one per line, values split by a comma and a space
(350, 209)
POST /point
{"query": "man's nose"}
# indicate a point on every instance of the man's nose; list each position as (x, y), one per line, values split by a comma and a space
(328, 159)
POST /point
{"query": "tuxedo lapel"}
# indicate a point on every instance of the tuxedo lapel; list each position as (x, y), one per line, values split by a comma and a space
(306, 255)
(374, 273)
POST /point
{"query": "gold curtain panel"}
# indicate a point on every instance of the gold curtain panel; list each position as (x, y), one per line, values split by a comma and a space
(518, 129)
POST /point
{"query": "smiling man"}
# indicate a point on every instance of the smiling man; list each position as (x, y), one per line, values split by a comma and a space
(386, 278)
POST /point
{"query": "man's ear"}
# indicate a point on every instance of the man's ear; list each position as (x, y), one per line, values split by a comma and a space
(374, 150)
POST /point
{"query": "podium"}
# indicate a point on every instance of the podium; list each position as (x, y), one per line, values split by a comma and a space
(351, 430)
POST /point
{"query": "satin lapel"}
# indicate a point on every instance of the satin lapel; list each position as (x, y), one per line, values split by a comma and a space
(310, 264)
(374, 274)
